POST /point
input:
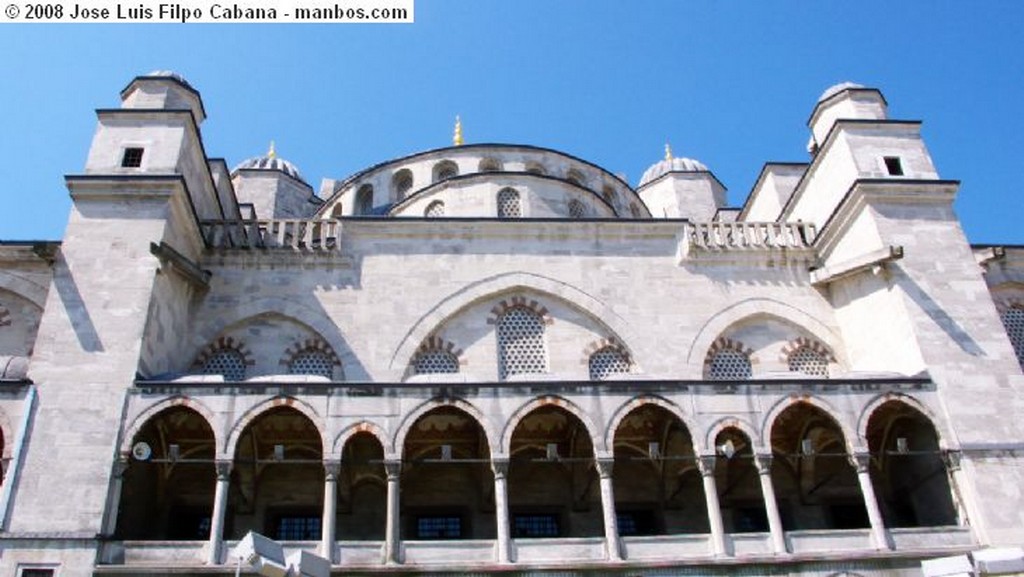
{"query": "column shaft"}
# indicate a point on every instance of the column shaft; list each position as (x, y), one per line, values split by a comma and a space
(220, 506)
(706, 464)
(327, 532)
(771, 506)
(861, 462)
(611, 523)
(500, 468)
(392, 535)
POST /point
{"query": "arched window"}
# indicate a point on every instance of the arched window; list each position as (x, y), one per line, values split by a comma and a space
(401, 183)
(1013, 320)
(577, 209)
(521, 347)
(312, 363)
(490, 165)
(434, 209)
(336, 211)
(227, 362)
(364, 200)
(808, 361)
(729, 365)
(576, 177)
(608, 194)
(608, 361)
(634, 210)
(444, 170)
(508, 204)
(535, 168)
(436, 361)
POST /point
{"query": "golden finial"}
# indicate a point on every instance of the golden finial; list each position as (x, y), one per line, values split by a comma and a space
(271, 153)
(668, 152)
(457, 138)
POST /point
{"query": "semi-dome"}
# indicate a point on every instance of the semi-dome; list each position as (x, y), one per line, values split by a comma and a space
(270, 161)
(671, 165)
(836, 89)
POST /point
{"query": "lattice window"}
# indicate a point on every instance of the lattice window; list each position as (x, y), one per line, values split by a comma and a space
(576, 209)
(433, 362)
(490, 165)
(312, 363)
(444, 170)
(508, 204)
(434, 209)
(809, 362)
(227, 362)
(1013, 320)
(729, 365)
(608, 361)
(521, 347)
(535, 526)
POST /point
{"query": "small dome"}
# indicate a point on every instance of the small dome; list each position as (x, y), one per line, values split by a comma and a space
(270, 161)
(674, 165)
(836, 89)
(170, 74)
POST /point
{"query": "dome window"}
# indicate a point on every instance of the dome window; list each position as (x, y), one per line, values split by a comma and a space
(490, 165)
(729, 365)
(577, 209)
(227, 362)
(508, 204)
(576, 177)
(606, 362)
(312, 362)
(444, 170)
(364, 200)
(402, 183)
(434, 209)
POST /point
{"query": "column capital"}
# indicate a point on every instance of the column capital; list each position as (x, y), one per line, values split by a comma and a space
(952, 459)
(860, 461)
(331, 469)
(604, 466)
(393, 468)
(763, 463)
(120, 466)
(499, 466)
(706, 465)
(223, 468)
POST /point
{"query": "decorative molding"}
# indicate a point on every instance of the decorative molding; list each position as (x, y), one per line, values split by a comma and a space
(223, 344)
(605, 343)
(723, 343)
(805, 343)
(434, 343)
(314, 345)
(518, 302)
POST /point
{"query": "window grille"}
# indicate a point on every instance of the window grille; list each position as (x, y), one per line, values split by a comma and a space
(521, 343)
(438, 527)
(312, 363)
(1013, 320)
(729, 365)
(508, 204)
(306, 528)
(533, 526)
(607, 361)
(445, 170)
(809, 362)
(132, 158)
(227, 362)
(434, 209)
(432, 362)
(576, 209)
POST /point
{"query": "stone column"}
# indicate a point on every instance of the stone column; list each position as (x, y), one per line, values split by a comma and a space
(220, 506)
(862, 462)
(771, 506)
(114, 499)
(500, 468)
(706, 465)
(611, 523)
(327, 528)
(392, 534)
(952, 462)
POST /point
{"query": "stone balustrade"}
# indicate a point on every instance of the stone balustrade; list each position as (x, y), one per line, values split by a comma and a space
(751, 235)
(310, 235)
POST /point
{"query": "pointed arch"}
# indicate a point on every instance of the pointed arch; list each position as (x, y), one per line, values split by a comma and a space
(741, 425)
(942, 434)
(765, 440)
(550, 400)
(347, 433)
(494, 287)
(260, 409)
(410, 419)
(720, 322)
(147, 414)
(639, 401)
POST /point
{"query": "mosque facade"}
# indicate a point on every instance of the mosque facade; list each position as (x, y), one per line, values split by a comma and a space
(495, 358)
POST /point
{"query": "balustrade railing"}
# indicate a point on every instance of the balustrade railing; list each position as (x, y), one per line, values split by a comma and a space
(751, 235)
(314, 235)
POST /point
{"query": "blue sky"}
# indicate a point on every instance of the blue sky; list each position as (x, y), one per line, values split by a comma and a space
(729, 83)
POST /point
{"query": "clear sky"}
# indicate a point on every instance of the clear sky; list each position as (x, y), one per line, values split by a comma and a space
(729, 83)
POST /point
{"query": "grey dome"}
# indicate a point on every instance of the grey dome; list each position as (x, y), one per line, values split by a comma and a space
(674, 165)
(170, 74)
(270, 162)
(836, 89)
